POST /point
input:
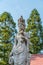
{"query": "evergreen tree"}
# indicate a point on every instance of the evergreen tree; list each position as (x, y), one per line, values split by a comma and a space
(7, 34)
(41, 45)
(34, 28)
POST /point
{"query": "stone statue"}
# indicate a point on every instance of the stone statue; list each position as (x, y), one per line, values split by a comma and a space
(20, 53)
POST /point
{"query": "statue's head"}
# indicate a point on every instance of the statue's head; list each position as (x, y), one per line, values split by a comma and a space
(21, 24)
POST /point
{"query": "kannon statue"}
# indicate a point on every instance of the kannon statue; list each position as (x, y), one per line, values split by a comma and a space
(20, 52)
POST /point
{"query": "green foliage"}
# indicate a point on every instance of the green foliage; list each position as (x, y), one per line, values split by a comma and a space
(7, 34)
(34, 28)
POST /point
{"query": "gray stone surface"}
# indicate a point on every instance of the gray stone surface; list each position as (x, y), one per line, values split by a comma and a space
(20, 52)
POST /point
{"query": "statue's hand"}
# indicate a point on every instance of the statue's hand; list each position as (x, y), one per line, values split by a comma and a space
(11, 60)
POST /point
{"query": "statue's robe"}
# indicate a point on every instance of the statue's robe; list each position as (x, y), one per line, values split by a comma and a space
(20, 51)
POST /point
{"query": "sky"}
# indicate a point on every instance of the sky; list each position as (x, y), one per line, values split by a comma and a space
(21, 7)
